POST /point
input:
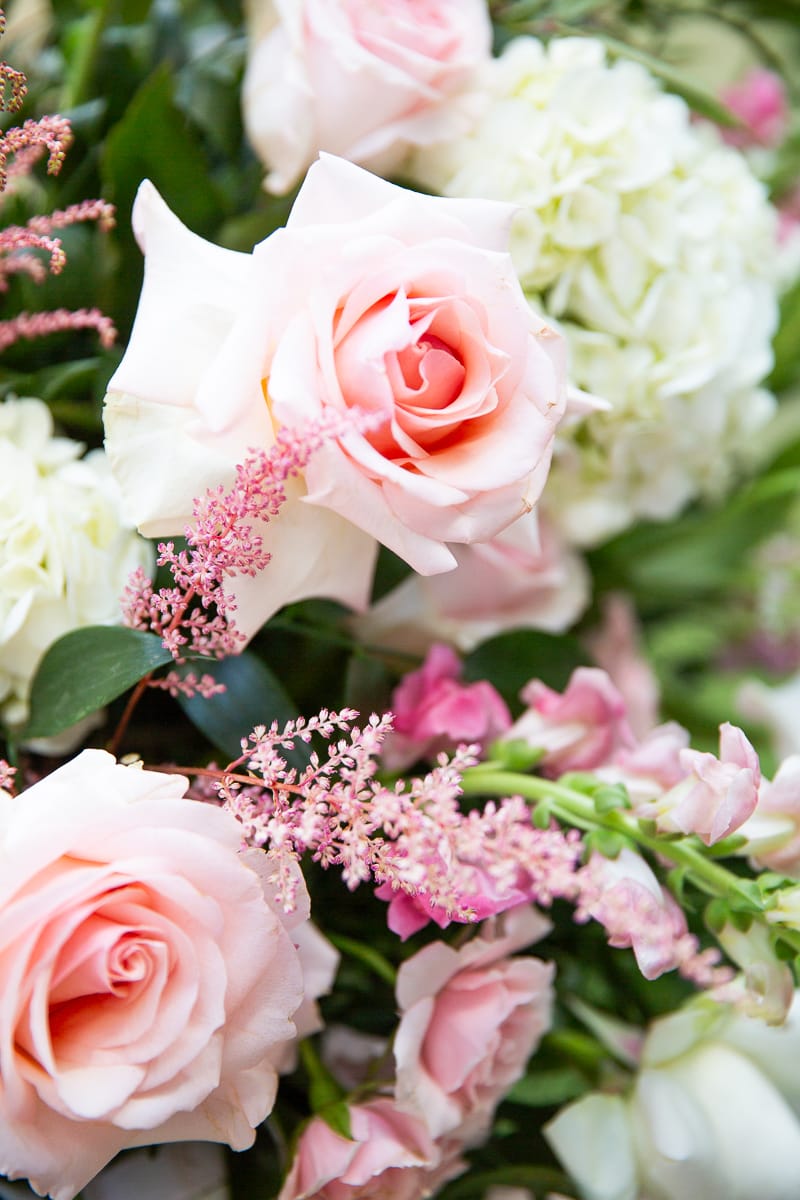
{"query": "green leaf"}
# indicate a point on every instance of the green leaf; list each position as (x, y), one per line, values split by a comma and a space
(786, 345)
(510, 660)
(154, 140)
(610, 797)
(555, 1085)
(253, 696)
(371, 958)
(323, 1091)
(86, 669)
(337, 1117)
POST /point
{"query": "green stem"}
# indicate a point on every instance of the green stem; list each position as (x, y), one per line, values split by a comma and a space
(577, 809)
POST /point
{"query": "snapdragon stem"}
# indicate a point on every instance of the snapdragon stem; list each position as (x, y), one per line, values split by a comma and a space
(578, 809)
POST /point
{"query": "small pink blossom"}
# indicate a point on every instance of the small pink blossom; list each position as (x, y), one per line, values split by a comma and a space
(434, 711)
(759, 101)
(391, 1157)
(624, 895)
(470, 1019)
(717, 795)
(484, 896)
(578, 730)
(650, 768)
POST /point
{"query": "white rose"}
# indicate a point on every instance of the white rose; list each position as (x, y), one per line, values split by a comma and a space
(714, 1114)
(65, 554)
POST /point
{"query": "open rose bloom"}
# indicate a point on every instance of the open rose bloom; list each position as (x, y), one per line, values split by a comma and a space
(373, 300)
(361, 79)
(148, 985)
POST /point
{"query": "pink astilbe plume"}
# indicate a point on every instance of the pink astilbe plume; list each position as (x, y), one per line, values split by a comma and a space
(22, 245)
(413, 837)
(195, 617)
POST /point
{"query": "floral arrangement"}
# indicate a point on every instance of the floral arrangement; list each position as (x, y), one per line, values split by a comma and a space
(399, 651)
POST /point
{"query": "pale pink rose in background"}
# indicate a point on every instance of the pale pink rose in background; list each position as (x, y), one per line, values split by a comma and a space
(391, 1157)
(717, 795)
(470, 1019)
(524, 578)
(616, 648)
(578, 730)
(355, 1058)
(181, 1171)
(635, 910)
(777, 708)
(773, 831)
(434, 711)
(364, 80)
(148, 983)
(759, 101)
(372, 299)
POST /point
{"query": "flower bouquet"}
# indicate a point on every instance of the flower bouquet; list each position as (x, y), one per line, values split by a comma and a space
(399, 581)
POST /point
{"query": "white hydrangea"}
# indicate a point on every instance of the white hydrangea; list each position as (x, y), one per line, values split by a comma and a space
(654, 246)
(65, 554)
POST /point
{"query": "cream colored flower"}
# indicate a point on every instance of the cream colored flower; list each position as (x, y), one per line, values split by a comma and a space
(654, 246)
(65, 554)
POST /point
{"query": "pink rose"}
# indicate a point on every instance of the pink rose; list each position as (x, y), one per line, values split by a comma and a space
(759, 101)
(579, 730)
(523, 578)
(372, 299)
(361, 79)
(148, 984)
(470, 1019)
(391, 1157)
(434, 711)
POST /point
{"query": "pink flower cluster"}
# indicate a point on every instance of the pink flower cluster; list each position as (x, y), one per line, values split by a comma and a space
(434, 711)
(469, 1020)
(25, 145)
(413, 838)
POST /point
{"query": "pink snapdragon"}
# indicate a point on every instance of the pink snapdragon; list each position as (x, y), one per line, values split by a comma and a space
(717, 794)
(578, 730)
(624, 895)
(434, 711)
(759, 101)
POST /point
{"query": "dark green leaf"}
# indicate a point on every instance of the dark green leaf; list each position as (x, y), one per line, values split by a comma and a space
(86, 669)
(253, 696)
(154, 140)
(548, 1086)
(512, 659)
(786, 345)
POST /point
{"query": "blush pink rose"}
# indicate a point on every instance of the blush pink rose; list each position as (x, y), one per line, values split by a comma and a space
(148, 985)
(524, 578)
(390, 1157)
(759, 101)
(470, 1019)
(579, 730)
(357, 78)
(374, 300)
(434, 711)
